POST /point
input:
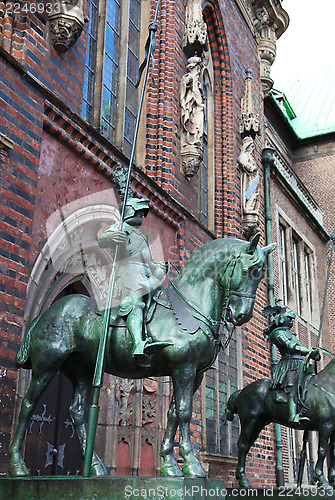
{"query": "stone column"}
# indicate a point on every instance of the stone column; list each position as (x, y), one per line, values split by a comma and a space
(270, 22)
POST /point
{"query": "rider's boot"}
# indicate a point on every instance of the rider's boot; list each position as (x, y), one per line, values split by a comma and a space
(294, 416)
(142, 348)
(135, 327)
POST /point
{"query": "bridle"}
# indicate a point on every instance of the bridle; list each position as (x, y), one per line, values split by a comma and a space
(210, 322)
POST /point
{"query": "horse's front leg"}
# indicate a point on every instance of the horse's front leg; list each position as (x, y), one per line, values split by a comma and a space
(331, 470)
(185, 383)
(169, 466)
(324, 435)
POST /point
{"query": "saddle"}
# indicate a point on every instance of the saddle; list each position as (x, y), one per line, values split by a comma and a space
(158, 297)
(299, 388)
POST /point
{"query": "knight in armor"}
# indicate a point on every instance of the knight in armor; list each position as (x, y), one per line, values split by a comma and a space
(137, 275)
(289, 371)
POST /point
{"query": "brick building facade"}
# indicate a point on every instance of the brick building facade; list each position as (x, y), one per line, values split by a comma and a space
(66, 123)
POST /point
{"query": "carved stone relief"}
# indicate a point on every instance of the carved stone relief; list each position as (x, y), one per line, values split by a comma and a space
(195, 36)
(66, 24)
(192, 117)
(249, 128)
(125, 409)
(191, 92)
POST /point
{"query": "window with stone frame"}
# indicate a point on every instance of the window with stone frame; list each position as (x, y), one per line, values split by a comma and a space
(206, 172)
(308, 262)
(222, 380)
(297, 273)
(283, 270)
(110, 96)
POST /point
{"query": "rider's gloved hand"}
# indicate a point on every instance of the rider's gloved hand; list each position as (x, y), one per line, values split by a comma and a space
(110, 237)
(315, 354)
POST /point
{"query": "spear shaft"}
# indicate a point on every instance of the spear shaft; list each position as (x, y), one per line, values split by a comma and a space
(100, 362)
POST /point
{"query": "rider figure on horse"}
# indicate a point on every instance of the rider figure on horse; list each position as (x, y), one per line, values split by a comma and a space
(137, 275)
(288, 373)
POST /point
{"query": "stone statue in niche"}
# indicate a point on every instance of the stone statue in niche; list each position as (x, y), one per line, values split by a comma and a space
(192, 116)
(192, 102)
(250, 178)
(249, 128)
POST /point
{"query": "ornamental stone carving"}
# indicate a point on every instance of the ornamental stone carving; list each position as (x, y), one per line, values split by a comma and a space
(270, 22)
(191, 94)
(195, 36)
(249, 128)
(192, 117)
(66, 24)
(249, 124)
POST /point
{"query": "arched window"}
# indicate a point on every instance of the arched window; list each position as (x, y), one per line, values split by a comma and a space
(206, 174)
(112, 61)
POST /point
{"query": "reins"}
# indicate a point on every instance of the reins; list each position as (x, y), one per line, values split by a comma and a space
(210, 322)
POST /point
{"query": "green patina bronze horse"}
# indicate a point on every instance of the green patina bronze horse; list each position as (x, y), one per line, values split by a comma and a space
(256, 407)
(220, 278)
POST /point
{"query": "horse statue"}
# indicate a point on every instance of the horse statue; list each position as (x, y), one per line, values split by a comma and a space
(218, 281)
(256, 407)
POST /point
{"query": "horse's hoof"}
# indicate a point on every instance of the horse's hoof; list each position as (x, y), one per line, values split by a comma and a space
(322, 482)
(194, 470)
(244, 483)
(18, 469)
(98, 468)
(171, 469)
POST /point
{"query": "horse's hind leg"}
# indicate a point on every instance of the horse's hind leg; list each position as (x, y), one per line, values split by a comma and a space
(78, 412)
(170, 466)
(16, 466)
(324, 435)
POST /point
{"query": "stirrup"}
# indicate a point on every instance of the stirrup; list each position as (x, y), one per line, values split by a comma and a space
(138, 350)
(156, 347)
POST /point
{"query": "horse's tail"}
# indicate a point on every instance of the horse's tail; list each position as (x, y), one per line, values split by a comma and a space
(231, 410)
(22, 359)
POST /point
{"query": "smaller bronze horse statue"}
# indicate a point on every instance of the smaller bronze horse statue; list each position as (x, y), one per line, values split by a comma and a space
(257, 407)
(221, 277)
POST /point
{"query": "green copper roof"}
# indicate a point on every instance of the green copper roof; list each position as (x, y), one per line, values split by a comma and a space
(312, 98)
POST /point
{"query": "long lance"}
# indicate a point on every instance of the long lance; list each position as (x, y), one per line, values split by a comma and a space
(306, 432)
(100, 362)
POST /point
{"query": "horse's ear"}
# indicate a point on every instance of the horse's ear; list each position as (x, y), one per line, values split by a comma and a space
(253, 243)
(269, 248)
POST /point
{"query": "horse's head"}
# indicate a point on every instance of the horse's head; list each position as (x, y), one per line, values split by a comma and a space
(240, 278)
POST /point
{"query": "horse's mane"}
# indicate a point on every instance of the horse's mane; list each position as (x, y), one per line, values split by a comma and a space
(225, 245)
(328, 368)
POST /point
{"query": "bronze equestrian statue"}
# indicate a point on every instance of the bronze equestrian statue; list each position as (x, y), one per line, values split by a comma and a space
(289, 371)
(296, 398)
(218, 281)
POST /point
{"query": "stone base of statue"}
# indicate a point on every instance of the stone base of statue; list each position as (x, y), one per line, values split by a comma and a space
(133, 488)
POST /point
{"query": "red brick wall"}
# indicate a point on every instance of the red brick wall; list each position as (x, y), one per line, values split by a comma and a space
(315, 165)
